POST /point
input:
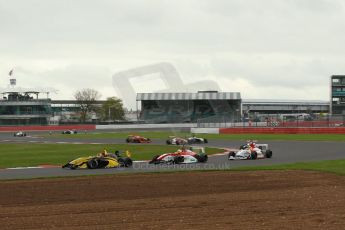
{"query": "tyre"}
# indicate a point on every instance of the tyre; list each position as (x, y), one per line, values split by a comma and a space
(205, 141)
(127, 162)
(127, 140)
(178, 159)
(253, 155)
(168, 142)
(202, 158)
(92, 164)
(268, 153)
(231, 154)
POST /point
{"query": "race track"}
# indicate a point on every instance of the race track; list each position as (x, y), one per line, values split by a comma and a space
(283, 152)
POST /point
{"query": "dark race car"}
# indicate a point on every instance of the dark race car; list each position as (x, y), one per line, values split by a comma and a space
(197, 140)
(105, 160)
(137, 139)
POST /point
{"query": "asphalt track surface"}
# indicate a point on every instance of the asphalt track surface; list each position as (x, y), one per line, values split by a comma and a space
(283, 152)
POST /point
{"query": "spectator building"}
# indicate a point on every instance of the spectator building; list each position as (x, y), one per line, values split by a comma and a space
(337, 95)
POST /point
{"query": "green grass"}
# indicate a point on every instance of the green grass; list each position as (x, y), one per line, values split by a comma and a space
(22, 155)
(243, 137)
(330, 166)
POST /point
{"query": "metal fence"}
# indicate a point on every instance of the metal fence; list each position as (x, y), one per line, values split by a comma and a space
(276, 120)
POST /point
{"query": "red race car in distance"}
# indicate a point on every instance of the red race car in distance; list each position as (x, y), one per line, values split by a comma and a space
(137, 139)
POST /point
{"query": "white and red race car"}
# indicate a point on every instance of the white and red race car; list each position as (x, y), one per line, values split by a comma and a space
(182, 156)
(251, 151)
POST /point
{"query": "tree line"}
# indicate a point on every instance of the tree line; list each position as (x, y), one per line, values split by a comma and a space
(111, 109)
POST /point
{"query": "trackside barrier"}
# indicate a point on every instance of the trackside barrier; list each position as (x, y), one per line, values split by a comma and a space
(277, 130)
(46, 128)
(147, 126)
(205, 130)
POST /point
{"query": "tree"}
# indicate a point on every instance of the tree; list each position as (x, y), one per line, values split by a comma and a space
(86, 99)
(113, 109)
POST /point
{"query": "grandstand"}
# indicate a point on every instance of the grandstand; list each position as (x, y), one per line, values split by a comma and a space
(258, 109)
(189, 107)
(20, 106)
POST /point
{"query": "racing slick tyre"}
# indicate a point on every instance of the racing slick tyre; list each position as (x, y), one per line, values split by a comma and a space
(125, 162)
(92, 164)
(231, 154)
(253, 155)
(168, 142)
(205, 141)
(202, 158)
(178, 159)
(268, 153)
(128, 140)
(128, 162)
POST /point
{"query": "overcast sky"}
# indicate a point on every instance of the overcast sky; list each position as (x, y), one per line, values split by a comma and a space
(265, 49)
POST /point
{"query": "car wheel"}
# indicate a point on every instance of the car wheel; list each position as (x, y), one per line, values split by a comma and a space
(202, 158)
(268, 153)
(168, 142)
(92, 164)
(253, 155)
(178, 159)
(127, 140)
(231, 154)
(125, 162)
(205, 141)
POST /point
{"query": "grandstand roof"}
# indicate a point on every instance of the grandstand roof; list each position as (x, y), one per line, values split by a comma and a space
(25, 90)
(284, 101)
(189, 96)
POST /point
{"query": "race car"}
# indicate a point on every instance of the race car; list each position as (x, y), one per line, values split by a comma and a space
(69, 132)
(176, 141)
(108, 160)
(137, 139)
(182, 156)
(197, 140)
(251, 151)
(19, 134)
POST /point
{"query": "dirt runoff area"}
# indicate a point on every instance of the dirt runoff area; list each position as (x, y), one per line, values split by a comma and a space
(195, 200)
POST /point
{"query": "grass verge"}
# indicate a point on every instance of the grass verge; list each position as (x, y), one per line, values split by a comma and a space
(330, 166)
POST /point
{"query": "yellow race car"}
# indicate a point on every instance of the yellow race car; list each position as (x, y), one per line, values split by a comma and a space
(108, 160)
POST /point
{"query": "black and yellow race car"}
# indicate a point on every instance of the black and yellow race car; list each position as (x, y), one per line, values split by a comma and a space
(105, 160)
